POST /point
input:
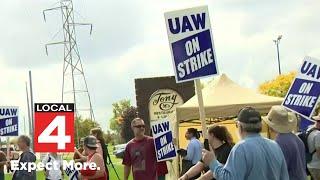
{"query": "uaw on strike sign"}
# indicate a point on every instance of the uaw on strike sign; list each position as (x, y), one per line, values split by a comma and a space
(190, 38)
(163, 140)
(303, 96)
(54, 127)
(9, 121)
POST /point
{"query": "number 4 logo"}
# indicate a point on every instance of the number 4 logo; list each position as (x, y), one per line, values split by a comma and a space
(61, 138)
(54, 127)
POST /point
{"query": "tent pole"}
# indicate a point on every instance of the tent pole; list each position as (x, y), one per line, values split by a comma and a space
(177, 141)
(201, 108)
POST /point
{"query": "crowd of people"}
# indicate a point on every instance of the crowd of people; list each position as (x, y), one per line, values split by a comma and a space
(255, 157)
(286, 157)
(139, 155)
(92, 149)
(252, 158)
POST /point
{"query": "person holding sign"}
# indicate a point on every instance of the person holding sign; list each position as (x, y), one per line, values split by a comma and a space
(254, 157)
(192, 155)
(140, 154)
(221, 142)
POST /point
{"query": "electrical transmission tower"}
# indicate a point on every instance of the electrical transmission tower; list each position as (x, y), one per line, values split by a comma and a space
(74, 85)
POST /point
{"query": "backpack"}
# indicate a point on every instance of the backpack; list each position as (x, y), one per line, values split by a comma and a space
(304, 137)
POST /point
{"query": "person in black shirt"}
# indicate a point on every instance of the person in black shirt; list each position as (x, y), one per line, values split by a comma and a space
(221, 142)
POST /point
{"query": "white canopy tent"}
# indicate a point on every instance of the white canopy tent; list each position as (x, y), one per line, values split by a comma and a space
(223, 97)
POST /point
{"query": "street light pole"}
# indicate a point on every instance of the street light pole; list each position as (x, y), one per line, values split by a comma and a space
(277, 41)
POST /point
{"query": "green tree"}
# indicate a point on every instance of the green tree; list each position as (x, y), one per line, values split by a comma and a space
(127, 116)
(117, 109)
(83, 127)
(110, 137)
(116, 121)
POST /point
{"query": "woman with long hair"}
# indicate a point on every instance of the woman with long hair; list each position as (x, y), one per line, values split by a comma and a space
(90, 148)
(221, 142)
(102, 148)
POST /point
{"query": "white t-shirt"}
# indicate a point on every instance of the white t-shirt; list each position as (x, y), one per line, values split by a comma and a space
(55, 173)
(313, 143)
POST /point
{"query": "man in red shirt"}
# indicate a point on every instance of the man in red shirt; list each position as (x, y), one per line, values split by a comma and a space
(140, 154)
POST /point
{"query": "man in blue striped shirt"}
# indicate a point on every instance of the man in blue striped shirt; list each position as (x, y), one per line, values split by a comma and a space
(254, 157)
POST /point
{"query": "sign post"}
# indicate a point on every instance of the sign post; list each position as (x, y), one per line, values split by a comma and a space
(192, 49)
(303, 95)
(201, 108)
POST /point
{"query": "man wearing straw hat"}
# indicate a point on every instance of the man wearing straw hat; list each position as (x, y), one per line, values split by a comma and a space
(314, 148)
(283, 123)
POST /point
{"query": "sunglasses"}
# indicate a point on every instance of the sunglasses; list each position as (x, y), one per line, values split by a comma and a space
(139, 126)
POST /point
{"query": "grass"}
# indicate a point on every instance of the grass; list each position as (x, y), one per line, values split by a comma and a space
(40, 176)
(116, 162)
(117, 165)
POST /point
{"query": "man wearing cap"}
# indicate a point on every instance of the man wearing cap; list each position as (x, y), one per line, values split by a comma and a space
(314, 148)
(254, 157)
(283, 123)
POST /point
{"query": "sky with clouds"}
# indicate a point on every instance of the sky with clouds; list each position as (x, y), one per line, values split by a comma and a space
(129, 41)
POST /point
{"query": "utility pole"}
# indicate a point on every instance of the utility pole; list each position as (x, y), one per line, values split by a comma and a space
(74, 85)
(31, 110)
(24, 125)
(29, 113)
(276, 42)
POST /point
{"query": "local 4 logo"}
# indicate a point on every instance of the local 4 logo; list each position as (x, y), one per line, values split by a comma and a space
(54, 127)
